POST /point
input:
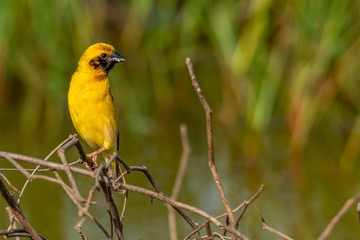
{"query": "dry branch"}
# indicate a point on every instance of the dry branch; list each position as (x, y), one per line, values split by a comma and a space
(18, 212)
(255, 196)
(164, 198)
(112, 210)
(247, 203)
(270, 229)
(37, 167)
(208, 113)
(178, 181)
(338, 216)
(82, 234)
(156, 187)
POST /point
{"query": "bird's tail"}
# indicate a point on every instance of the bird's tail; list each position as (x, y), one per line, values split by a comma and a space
(114, 170)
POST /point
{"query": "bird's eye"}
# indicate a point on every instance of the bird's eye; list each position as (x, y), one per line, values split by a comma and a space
(103, 55)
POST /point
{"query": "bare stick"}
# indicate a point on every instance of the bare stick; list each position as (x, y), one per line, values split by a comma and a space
(12, 225)
(51, 165)
(338, 216)
(178, 180)
(26, 174)
(66, 188)
(5, 232)
(114, 214)
(183, 161)
(45, 159)
(207, 227)
(47, 178)
(87, 205)
(179, 205)
(129, 169)
(82, 234)
(260, 190)
(17, 233)
(8, 182)
(358, 210)
(98, 224)
(62, 156)
(122, 215)
(18, 212)
(247, 203)
(59, 181)
(215, 234)
(208, 113)
(32, 169)
(145, 171)
(270, 229)
(92, 190)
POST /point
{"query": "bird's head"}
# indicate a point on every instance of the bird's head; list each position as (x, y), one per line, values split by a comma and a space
(100, 57)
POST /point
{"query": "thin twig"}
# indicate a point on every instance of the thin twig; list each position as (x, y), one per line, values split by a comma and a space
(62, 156)
(37, 170)
(26, 174)
(96, 187)
(8, 182)
(227, 222)
(122, 215)
(208, 113)
(183, 161)
(112, 209)
(247, 203)
(66, 188)
(37, 167)
(98, 224)
(82, 234)
(358, 210)
(215, 234)
(178, 180)
(18, 212)
(129, 169)
(207, 227)
(17, 233)
(145, 171)
(338, 216)
(270, 229)
(51, 165)
(162, 197)
(58, 181)
(260, 190)
(26, 169)
(12, 231)
(11, 218)
(87, 205)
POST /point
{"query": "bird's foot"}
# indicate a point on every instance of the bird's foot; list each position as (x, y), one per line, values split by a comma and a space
(94, 155)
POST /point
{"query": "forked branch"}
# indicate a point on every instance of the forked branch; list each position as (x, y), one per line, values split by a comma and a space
(208, 113)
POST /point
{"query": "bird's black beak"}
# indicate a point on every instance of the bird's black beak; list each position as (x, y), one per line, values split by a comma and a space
(116, 57)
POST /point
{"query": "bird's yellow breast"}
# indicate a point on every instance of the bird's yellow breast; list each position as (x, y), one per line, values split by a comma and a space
(92, 110)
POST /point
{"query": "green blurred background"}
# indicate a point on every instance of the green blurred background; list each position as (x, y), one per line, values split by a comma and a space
(281, 77)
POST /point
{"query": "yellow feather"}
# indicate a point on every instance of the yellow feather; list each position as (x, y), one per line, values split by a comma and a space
(91, 103)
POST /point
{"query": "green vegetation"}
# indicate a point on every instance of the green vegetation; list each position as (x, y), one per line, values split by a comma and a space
(281, 77)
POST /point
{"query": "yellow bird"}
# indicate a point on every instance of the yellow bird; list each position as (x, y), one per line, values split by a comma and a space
(91, 104)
